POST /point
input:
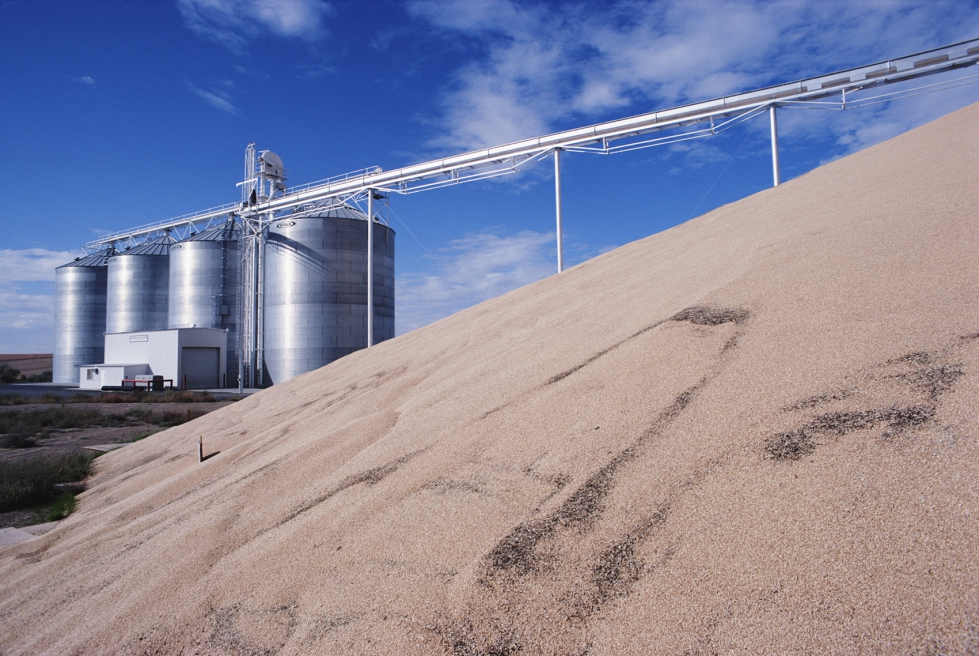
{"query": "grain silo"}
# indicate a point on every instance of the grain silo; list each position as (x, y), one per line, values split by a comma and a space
(315, 300)
(79, 314)
(138, 285)
(204, 286)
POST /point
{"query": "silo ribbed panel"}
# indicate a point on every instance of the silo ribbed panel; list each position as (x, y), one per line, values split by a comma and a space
(316, 290)
(139, 279)
(79, 315)
(203, 286)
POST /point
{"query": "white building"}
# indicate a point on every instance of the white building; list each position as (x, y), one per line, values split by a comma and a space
(188, 358)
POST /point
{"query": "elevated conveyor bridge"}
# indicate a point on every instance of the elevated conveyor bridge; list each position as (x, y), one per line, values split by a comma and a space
(839, 90)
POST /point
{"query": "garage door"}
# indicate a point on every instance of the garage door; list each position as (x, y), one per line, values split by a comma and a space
(200, 367)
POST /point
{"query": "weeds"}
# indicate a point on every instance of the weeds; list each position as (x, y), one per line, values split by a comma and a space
(8, 374)
(140, 396)
(17, 442)
(165, 419)
(30, 423)
(143, 436)
(63, 506)
(136, 396)
(43, 377)
(18, 428)
(35, 481)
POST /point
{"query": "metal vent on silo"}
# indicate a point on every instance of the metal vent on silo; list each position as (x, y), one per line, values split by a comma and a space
(79, 314)
(316, 290)
(204, 285)
(138, 285)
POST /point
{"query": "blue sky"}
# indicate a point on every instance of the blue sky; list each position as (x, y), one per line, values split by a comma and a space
(120, 113)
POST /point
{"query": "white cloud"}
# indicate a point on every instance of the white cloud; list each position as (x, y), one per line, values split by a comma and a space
(234, 23)
(542, 68)
(32, 264)
(215, 100)
(471, 270)
(25, 311)
(27, 317)
(86, 79)
(26, 321)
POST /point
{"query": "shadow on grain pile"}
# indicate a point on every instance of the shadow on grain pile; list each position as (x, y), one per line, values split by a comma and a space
(532, 550)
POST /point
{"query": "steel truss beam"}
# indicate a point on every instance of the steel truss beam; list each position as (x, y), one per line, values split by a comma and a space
(510, 158)
(634, 133)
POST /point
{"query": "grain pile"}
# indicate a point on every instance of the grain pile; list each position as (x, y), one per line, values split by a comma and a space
(756, 432)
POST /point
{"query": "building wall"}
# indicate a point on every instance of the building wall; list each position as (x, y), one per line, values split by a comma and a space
(161, 349)
(97, 376)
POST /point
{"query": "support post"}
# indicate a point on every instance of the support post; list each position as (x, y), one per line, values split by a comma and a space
(260, 308)
(775, 170)
(370, 268)
(240, 310)
(557, 202)
(253, 346)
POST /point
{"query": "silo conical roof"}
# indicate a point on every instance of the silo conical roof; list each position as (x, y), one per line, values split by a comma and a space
(159, 246)
(344, 212)
(97, 259)
(225, 232)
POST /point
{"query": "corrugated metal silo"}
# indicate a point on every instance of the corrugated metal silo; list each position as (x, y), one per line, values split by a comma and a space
(203, 286)
(79, 315)
(316, 290)
(139, 279)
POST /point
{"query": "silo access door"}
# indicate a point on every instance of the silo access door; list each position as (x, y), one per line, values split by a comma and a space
(200, 367)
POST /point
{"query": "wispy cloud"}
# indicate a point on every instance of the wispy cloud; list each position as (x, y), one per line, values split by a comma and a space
(313, 71)
(86, 79)
(234, 23)
(470, 270)
(868, 126)
(32, 264)
(27, 300)
(541, 67)
(26, 311)
(26, 321)
(218, 100)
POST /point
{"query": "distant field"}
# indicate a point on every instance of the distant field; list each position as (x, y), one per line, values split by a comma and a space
(28, 363)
